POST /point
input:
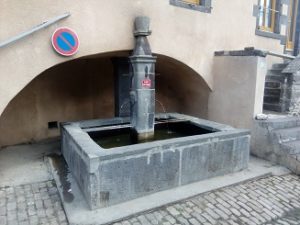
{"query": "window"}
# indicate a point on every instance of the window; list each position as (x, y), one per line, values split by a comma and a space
(291, 24)
(270, 19)
(199, 5)
(196, 2)
(267, 15)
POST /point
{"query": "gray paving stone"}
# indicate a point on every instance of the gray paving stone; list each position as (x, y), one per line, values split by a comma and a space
(254, 202)
(166, 223)
(24, 205)
(2, 219)
(221, 213)
(173, 211)
(272, 200)
(143, 220)
(209, 218)
(183, 221)
(125, 223)
(3, 211)
(198, 217)
(194, 222)
(212, 214)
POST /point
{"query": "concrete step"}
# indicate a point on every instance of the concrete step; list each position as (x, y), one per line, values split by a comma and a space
(272, 84)
(275, 78)
(272, 107)
(272, 91)
(288, 134)
(271, 99)
(275, 72)
(281, 122)
(291, 147)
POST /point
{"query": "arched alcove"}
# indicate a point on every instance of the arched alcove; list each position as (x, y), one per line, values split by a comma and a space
(83, 89)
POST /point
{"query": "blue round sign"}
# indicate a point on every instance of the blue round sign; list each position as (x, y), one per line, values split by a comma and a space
(65, 41)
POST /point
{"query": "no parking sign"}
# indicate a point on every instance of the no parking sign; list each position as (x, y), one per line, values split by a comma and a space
(65, 41)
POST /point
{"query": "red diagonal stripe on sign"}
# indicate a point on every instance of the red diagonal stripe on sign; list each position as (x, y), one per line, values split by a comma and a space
(66, 41)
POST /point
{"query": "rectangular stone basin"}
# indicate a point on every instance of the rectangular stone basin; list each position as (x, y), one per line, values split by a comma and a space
(110, 174)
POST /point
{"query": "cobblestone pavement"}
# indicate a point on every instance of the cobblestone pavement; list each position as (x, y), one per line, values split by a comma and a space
(271, 200)
(37, 203)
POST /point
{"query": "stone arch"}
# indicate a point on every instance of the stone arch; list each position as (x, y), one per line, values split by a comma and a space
(83, 89)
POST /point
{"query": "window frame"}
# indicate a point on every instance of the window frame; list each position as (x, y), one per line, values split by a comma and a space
(273, 33)
(265, 11)
(203, 6)
(194, 2)
(291, 27)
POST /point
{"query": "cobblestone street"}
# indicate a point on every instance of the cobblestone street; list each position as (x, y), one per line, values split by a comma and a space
(271, 200)
(37, 203)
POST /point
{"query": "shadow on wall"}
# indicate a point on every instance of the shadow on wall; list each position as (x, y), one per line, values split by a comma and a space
(180, 88)
(84, 89)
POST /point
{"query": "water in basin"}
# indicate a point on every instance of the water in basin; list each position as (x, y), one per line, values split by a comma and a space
(117, 137)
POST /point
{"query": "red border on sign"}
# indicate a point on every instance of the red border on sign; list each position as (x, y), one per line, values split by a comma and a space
(54, 37)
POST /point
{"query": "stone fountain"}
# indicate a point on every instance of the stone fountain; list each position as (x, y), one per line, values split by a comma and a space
(120, 159)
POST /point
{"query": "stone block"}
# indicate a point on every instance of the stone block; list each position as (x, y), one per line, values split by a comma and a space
(195, 163)
(128, 178)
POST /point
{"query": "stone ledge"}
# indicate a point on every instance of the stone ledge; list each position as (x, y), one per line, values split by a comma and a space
(249, 51)
(271, 35)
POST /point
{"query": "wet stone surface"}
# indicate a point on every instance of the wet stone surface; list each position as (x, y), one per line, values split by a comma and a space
(36, 203)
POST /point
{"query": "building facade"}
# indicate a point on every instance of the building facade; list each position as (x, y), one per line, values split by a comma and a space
(39, 88)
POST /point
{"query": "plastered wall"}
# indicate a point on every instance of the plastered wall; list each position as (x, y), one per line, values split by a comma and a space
(239, 90)
(188, 36)
(84, 89)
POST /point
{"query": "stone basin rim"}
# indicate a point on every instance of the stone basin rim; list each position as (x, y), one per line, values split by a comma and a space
(92, 150)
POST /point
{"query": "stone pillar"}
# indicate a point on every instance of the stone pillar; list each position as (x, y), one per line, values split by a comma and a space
(239, 79)
(142, 92)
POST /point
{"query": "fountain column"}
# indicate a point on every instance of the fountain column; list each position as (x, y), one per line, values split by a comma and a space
(142, 94)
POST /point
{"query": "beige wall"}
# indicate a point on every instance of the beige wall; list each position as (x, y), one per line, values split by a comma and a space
(239, 88)
(190, 37)
(68, 92)
(84, 89)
